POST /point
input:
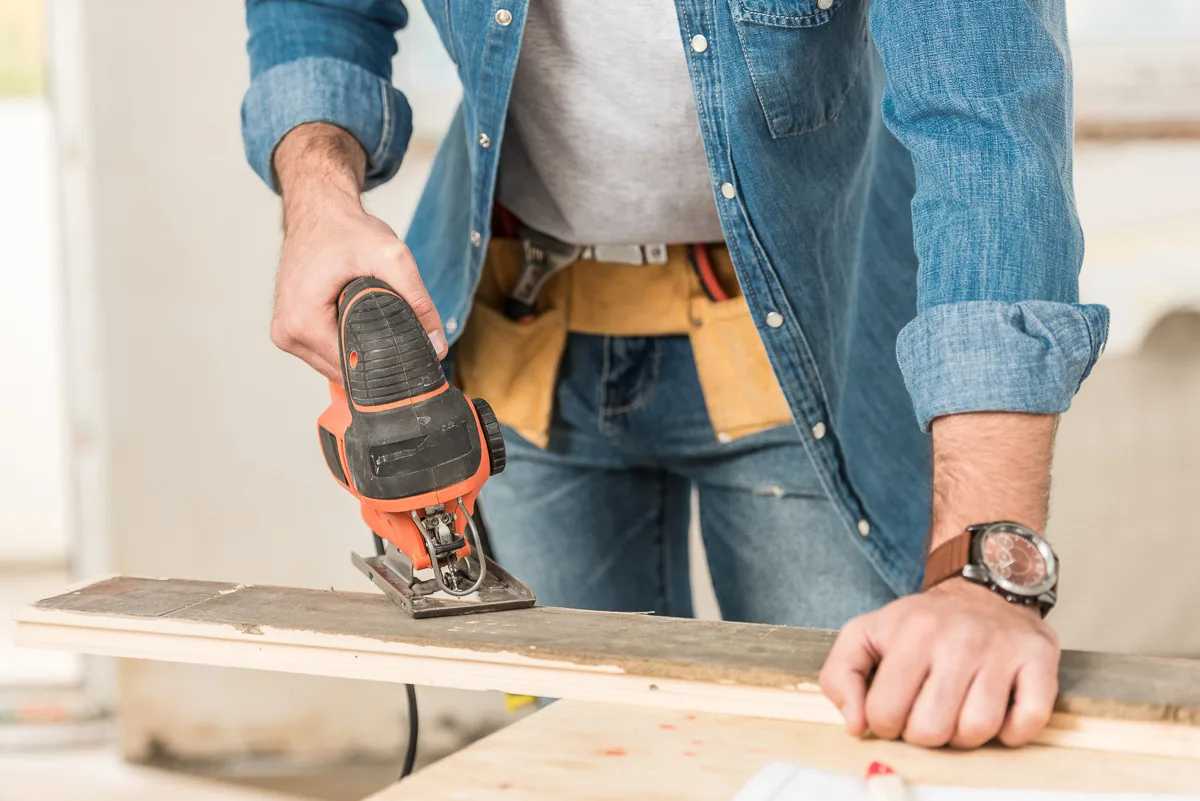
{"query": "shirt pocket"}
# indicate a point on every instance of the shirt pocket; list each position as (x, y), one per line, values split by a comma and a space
(803, 57)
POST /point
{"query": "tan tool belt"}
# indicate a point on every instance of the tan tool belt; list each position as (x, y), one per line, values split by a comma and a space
(514, 365)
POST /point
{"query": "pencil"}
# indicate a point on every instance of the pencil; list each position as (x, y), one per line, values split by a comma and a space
(885, 784)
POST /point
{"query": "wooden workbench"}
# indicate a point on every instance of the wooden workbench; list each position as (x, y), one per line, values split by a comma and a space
(657, 707)
(580, 751)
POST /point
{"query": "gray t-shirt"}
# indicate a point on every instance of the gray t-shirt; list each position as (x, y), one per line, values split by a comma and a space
(603, 144)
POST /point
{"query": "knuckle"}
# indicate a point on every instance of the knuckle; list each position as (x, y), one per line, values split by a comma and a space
(1023, 727)
(927, 734)
(975, 730)
(885, 722)
(853, 631)
(421, 305)
(825, 678)
(1042, 649)
(922, 624)
(398, 252)
(1014, 736)
(281, 334)
(968, 638)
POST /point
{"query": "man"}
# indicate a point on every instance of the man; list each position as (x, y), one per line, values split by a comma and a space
(751, 245)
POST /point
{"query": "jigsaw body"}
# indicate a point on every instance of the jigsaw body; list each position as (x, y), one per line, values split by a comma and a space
(415, 452)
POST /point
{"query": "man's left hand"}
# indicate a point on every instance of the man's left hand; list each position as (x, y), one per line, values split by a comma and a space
(956, 665)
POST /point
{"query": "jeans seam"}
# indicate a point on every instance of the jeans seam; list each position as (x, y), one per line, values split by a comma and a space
(664, 544)
(644, 397)
(602, 385)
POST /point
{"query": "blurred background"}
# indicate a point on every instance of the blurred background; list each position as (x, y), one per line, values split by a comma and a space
(137, 253)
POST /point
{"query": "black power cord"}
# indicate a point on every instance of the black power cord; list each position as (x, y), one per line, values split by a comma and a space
(410, 753)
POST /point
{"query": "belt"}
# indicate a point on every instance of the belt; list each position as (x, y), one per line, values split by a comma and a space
(646, 290)
(626, 254)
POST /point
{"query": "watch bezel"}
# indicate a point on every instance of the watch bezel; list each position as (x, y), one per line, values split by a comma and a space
(982, 532)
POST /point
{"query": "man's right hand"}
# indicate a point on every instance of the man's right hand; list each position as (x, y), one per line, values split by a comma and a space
(329, 240)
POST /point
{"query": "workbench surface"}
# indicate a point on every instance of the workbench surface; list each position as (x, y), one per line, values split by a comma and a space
(579, 751)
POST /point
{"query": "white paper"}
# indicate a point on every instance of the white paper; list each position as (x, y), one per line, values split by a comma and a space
(781, 781)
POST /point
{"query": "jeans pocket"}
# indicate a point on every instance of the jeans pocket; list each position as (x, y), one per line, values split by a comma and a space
(804, 57)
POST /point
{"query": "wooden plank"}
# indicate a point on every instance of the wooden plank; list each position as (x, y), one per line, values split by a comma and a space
(1106, 701)
(575, 751)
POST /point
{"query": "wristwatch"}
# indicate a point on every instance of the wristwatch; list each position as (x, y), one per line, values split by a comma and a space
(1008, 558)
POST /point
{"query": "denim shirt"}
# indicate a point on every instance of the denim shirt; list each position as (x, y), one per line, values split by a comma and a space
(893, 179)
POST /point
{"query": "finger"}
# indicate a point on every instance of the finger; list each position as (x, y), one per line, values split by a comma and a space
(898, 680)
(984, 708)
(318, 363)
(398, 269)
(283, 337)
(843, 678)
(1033, 701)
(324, 346)
(933, 719)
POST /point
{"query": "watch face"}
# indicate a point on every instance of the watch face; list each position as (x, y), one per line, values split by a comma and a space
(1014, 561)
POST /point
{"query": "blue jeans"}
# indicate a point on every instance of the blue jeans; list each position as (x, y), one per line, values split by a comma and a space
(599, 520)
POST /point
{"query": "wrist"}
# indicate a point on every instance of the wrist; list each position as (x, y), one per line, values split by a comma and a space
(320, 169)
(960, 587)
(989, 467)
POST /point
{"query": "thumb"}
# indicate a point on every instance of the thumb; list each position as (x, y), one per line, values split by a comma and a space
(845, 675)
(399, 270)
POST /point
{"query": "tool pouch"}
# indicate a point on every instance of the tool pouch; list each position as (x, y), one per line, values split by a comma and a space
(740, 389)
(514, 363)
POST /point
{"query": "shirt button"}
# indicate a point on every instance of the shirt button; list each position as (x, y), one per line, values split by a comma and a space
(503, 17)
(724, 438)
(864, 527)
(451, 325)
(774, 319)
(485, 140)
(728, 190)
(824, 5)
(818, 431)
(476, 239)
(699, 43)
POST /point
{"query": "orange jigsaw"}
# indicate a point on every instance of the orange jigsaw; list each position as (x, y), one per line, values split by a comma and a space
(415, 452)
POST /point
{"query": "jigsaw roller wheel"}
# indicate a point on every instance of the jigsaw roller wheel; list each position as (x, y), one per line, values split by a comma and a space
(497, 454)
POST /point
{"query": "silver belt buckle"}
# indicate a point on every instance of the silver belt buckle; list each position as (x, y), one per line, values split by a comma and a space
(627, 254)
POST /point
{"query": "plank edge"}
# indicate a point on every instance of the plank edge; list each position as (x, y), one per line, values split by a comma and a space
(804, 703)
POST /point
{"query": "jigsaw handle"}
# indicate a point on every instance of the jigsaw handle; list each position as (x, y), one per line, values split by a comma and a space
(386, 355)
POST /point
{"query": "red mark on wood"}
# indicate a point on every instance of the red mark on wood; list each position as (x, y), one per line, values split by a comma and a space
(666, 725)
(615, 752)
(689, 753)
(696, 742)
(691, 717)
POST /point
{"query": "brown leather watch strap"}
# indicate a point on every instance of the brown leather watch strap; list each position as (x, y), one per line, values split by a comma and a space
(948, 560)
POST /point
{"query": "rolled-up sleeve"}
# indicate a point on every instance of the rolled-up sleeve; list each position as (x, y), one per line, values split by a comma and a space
(980, 94)
(328, 61)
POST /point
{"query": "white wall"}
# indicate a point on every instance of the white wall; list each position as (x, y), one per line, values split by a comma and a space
(204, 434)
(32, 411)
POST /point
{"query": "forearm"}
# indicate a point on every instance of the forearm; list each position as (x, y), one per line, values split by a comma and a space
(990, 466)
(319, 166)
(325, 61)
(329, 240)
